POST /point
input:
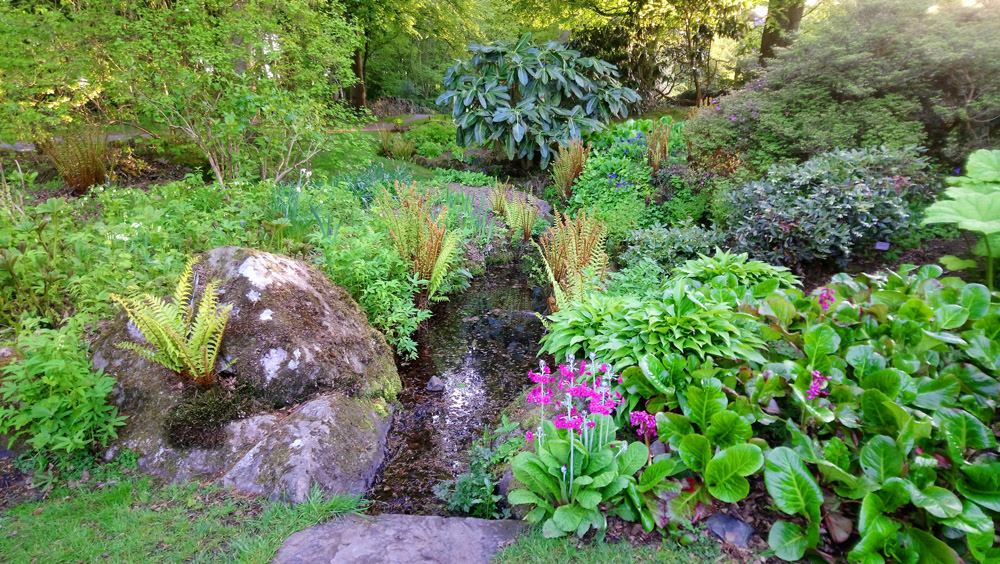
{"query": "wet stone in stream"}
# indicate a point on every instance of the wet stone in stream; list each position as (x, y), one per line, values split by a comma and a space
(481, 344)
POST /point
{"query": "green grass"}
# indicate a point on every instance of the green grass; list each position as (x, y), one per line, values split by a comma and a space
(359, 148)
(137, 520)
(678, 113)
(533, 548)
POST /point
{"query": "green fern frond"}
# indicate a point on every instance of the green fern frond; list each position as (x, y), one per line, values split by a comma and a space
(185, 346)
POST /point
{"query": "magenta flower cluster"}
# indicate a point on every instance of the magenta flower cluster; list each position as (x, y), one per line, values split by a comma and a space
(644, 423)
(826, 298)
(592, 392)
(816, 386)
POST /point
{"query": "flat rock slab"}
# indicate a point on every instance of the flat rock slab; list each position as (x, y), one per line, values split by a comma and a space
(398, 539)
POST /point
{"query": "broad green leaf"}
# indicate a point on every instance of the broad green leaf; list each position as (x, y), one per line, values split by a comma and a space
(727, 428)
(588, 499)
(790, 484)
(518, 497)
(654, 474)
(971, 519)
(551, 531)
(974, 212)
(950, 316)
(695, 450)
(725, 472)
(633, 459)
(933, 393)
(964, 430)
(704, 402)
(929, 549)
(976, 299)
(672, 427)
(864, 359)
(880, 459)
(568, 517)
(788, 541)
(981, 484)
(821, 340)
(938, 501)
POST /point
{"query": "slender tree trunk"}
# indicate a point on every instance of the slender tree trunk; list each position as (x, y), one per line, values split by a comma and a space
(358, 93)
(783, 19)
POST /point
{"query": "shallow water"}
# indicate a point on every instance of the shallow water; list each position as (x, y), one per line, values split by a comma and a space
(482, 344)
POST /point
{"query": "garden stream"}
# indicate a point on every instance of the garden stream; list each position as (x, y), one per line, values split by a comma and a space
(481, 344)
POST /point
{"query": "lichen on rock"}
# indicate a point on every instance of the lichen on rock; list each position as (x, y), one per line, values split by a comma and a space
(293, 338)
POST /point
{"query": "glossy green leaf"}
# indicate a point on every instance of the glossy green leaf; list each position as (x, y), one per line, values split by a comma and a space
(725, 473)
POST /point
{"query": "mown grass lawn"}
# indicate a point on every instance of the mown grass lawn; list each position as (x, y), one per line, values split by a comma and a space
(138, 520)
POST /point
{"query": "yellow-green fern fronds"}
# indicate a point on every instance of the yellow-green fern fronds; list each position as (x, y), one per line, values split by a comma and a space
(183, 338)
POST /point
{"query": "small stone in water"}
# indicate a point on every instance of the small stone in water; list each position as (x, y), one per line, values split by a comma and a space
(435, 384)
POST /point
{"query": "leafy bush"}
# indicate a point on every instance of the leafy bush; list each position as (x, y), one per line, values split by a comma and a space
(611, 176)
(80, 157)
(830, 206)
(669, 246)
(622, 330)
(464, 177)
(569, 478)
(735, 270)
(886, 72)
(529, 99)
(642, 279)
(182, 337)
(432, 139)
(368, 181)
(51, 397)
(870, 408)
(365, 263)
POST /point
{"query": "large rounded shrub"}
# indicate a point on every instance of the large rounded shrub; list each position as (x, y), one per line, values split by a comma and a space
(877, 72)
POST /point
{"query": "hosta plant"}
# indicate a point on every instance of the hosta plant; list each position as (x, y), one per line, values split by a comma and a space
(181, 336)
(527, 99)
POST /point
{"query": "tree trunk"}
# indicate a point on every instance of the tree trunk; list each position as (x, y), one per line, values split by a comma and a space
(783, 19)
(358, 94)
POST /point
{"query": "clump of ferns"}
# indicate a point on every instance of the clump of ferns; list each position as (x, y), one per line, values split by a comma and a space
(421, 239)
(517, 210)
(181, 335)
(568, 166)
(572, 250)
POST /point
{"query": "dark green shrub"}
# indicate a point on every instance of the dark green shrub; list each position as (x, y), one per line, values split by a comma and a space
(830, 206)
(530, 98)
(885, 72)
(669, 246)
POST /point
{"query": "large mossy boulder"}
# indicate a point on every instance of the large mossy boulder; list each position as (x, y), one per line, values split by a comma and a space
(299, 365)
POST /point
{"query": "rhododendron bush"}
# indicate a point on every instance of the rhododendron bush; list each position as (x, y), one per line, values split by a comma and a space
(865, 412)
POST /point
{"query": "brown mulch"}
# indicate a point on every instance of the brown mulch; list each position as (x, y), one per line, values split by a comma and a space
(928, 253)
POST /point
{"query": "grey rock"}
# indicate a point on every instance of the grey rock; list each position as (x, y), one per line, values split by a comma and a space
(292, 332)
(729, 529)
(398, 539)
(295, 337)
(333, 441)
(435, 384)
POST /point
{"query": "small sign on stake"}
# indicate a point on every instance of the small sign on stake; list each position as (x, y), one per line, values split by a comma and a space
(881, 246)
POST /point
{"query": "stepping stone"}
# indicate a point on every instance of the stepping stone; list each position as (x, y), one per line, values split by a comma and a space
(398, 539)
